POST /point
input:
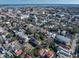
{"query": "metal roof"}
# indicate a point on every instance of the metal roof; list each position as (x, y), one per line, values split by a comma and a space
(62, 39)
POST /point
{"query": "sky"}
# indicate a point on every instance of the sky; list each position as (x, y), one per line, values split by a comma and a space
(39, 1)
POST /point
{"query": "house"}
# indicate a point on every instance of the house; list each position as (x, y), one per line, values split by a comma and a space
(22, 37)
(8, 54)
(7, 46)
(63, 53)
(24, 16)
(16, 48)
(18, 52)
(53, 35)
(77, 51)
(27, 56)
(5, 40)
(4, 37)
(2, 31)
(2, 50)
(33, 41)
(15, 45)
(64, 32)
(40, 52)
(43, 53)
(50, 54)
(28, 47)
(1, 39)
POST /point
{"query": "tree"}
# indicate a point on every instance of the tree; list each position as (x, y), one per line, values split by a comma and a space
(28, 31)
(53, 47)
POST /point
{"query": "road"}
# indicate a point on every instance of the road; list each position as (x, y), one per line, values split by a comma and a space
(73, 45)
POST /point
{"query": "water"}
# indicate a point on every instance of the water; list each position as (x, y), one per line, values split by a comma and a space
(39, 5)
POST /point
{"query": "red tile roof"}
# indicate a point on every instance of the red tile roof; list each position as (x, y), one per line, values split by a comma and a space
(50, 54)
(18, 52)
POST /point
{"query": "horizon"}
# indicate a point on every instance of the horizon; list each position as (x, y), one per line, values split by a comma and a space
(40, 4)
(39, 1)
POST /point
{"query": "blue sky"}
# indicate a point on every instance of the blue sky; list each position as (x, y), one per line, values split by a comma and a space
(39, 1)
